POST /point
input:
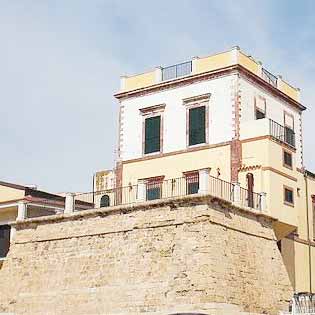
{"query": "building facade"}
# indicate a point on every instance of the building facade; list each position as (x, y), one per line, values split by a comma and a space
(223, 116)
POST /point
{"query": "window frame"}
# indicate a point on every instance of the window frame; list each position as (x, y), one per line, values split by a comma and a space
(6, 228)
(259, 109)
(157, 180)
(284, 151)
(192, 103)
(288, 203)
(188, 177)
(150, 112)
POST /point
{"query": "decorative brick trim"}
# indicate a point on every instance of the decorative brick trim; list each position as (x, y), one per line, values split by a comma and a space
(152, 109)
(236, 145)
(120, 130)
(250, 168)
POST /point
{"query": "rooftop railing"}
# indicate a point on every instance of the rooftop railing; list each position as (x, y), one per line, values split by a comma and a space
(282, 133)
(176, 71)
(269, 77)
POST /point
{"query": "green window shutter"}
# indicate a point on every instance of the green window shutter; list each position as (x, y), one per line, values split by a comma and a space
(197, 125)
(152, 134)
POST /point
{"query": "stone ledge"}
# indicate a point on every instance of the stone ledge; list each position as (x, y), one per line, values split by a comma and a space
(172, 202)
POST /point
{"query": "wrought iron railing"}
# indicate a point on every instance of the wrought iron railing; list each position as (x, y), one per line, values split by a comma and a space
(269, 77)
(281, 133)
(250, 199)
(176, 71)
(175, 187)
(303, 303)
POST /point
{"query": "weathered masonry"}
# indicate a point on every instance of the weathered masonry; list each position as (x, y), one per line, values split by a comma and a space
(192, 254)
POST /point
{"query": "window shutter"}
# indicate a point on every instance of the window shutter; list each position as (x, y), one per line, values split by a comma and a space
(261, 104)
(289, 121)
(197, 125)
(152, 134)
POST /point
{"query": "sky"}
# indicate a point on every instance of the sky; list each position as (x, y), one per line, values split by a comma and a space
(61, 60)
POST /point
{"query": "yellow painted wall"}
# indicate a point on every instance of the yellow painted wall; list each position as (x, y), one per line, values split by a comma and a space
(8, 214)
(8, 193)
(139, 81)
(288, 90)
(214, 62)
(173, 166)
(248, 63)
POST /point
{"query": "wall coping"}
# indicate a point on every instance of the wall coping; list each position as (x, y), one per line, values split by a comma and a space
(173, 202)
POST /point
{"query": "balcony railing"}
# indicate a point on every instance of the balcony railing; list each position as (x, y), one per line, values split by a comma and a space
(269, 77)
(176, 71)
(175, 187)
(281, 133)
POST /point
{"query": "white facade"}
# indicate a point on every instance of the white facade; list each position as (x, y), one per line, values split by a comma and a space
(275, 110)
(174, 116)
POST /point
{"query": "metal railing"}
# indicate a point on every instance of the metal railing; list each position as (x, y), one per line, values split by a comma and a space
(281, 133)
(176, 71)
(303, 303)
(269, 77)
(250, 199)
(175, 187)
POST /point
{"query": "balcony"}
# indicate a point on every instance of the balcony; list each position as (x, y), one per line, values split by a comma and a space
(177, 71)
(175, 187)
(268, 127)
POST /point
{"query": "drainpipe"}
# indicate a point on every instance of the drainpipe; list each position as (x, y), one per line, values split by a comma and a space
(308, 231)
(93, 187)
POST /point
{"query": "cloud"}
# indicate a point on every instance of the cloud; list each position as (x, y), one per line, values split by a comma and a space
(61, 61)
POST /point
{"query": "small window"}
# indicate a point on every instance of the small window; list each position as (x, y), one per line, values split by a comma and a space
(197, 125)
(260, 114)
(105, 201)
(192, 183)
(154, 188)
(260, 107)
(5, 232)
(287, 159)
(288, 196)
(152, 135)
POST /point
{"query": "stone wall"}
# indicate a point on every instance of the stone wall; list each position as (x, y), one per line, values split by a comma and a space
(182, 255)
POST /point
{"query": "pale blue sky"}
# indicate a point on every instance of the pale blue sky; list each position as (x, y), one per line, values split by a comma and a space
(60, 63)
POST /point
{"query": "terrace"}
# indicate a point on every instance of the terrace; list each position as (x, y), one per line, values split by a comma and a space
(202, 65)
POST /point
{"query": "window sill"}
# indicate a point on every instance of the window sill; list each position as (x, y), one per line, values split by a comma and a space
(152, 154)
(197, 145)
(289, 204)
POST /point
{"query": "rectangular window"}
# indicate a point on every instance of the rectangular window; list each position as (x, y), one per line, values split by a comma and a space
(152, 135)
(192, 183)
(287, 159)
(260, 114)
(260, 107)
(154, 188)
(288, 196)
(197, 125)
(289, 135)
(313, 203)
(5, 231)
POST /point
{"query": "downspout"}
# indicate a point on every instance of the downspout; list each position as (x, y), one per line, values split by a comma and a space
(308, 231)
(93, 188)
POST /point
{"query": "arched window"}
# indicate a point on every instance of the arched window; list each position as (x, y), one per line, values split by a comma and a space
(105, 201)
(250, 187)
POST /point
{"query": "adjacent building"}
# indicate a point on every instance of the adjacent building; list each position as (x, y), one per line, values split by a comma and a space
(18, 202)
(222, 116)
